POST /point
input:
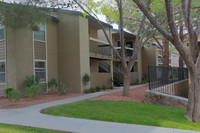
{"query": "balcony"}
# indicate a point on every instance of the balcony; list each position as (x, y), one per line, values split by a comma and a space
(128, 51)
(100, 49)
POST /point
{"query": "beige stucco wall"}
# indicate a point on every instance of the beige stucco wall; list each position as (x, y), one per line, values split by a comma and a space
(93, 32)
(19, 57)
(94, 66)
(52, 54)
(139, 67)
(149, 57)
(100, 79)
(84, 51)
(73, 51)
(134, 77)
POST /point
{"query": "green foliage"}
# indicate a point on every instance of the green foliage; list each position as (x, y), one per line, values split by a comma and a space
(32, 91)
(126, 112)
(14, 94)
(111, 87)
(103, 87)
(22, 15)
(98, 89)
(86, 78)
(136, 82)
(87, 91)
(63, 89)
(32, 81)
(92, 90)
(8, 90)
(111, 80)
(52, 82)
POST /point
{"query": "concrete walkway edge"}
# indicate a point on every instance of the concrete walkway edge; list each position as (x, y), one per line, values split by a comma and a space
(31, 116)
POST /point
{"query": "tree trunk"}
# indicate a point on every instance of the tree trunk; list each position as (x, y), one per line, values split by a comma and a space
(181, 64)
(193, 108)
(126, 89)
(165, 52)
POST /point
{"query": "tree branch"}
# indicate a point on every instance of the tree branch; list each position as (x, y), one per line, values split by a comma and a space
(103, 29)
(153, 21)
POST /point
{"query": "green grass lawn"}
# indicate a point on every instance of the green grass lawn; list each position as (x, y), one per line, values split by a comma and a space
(126, 112)
(5, 128)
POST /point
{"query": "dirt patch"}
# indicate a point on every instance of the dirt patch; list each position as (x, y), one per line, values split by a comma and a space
(24, 102)
(137, 95)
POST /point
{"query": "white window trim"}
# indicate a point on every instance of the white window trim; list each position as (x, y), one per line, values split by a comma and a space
(4, 34)
(34, 60)
(39, 41)
(5, 57)
(4, 72)
(38, 60)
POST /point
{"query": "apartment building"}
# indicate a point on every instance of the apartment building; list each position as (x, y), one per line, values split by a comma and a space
(64, 49)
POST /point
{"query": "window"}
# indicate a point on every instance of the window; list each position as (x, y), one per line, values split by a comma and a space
(40, 34)
(40, 69)
(1, 32)
(2, 72)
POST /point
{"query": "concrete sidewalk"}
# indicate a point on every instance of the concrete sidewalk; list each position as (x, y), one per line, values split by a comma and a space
(31, 116)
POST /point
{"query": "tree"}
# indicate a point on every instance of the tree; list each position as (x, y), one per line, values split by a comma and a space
(143, 34)
(29, 13)
(22, 15)
(191, 56)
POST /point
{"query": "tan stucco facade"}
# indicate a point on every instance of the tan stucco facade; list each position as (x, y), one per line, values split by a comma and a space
(149, 57)
(19, 57)
(67, 51)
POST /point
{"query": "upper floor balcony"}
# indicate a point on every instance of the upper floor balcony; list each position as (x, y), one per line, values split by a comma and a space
(128, 53)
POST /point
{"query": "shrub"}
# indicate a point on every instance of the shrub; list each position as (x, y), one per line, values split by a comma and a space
(42, 89)
(52, 83)
(8, 90)
(98, 89)
(92, 90)
(63, 89)
(87, 91)
(132, 83)
(32, 91)
(32, 81)
(14, 94)
(86, 78)
(103, 87)
(136, 82)
(111, 87)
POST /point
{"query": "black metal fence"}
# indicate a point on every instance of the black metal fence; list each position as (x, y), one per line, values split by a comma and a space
(167, 79)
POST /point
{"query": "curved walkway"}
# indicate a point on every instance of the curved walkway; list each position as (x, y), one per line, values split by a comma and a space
(31, 116)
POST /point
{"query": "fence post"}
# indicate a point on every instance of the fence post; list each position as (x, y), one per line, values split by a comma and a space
(149, 78)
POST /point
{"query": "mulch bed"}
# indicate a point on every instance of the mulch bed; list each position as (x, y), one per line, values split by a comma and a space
(136, 95)
(24, 102)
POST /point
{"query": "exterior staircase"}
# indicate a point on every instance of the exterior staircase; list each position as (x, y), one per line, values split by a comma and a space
(117, 76)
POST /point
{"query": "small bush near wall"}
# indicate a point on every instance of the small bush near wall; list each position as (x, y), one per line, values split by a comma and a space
(52, 84)
(32, 91)
(32, 81)
(86, 79)
(63, 89)
(14, 94)
(111, 87)
(103, 87)
(98, 89)
(8, 90)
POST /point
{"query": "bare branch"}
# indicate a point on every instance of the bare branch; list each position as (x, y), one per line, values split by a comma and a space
(103, 29)
(153, 21)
